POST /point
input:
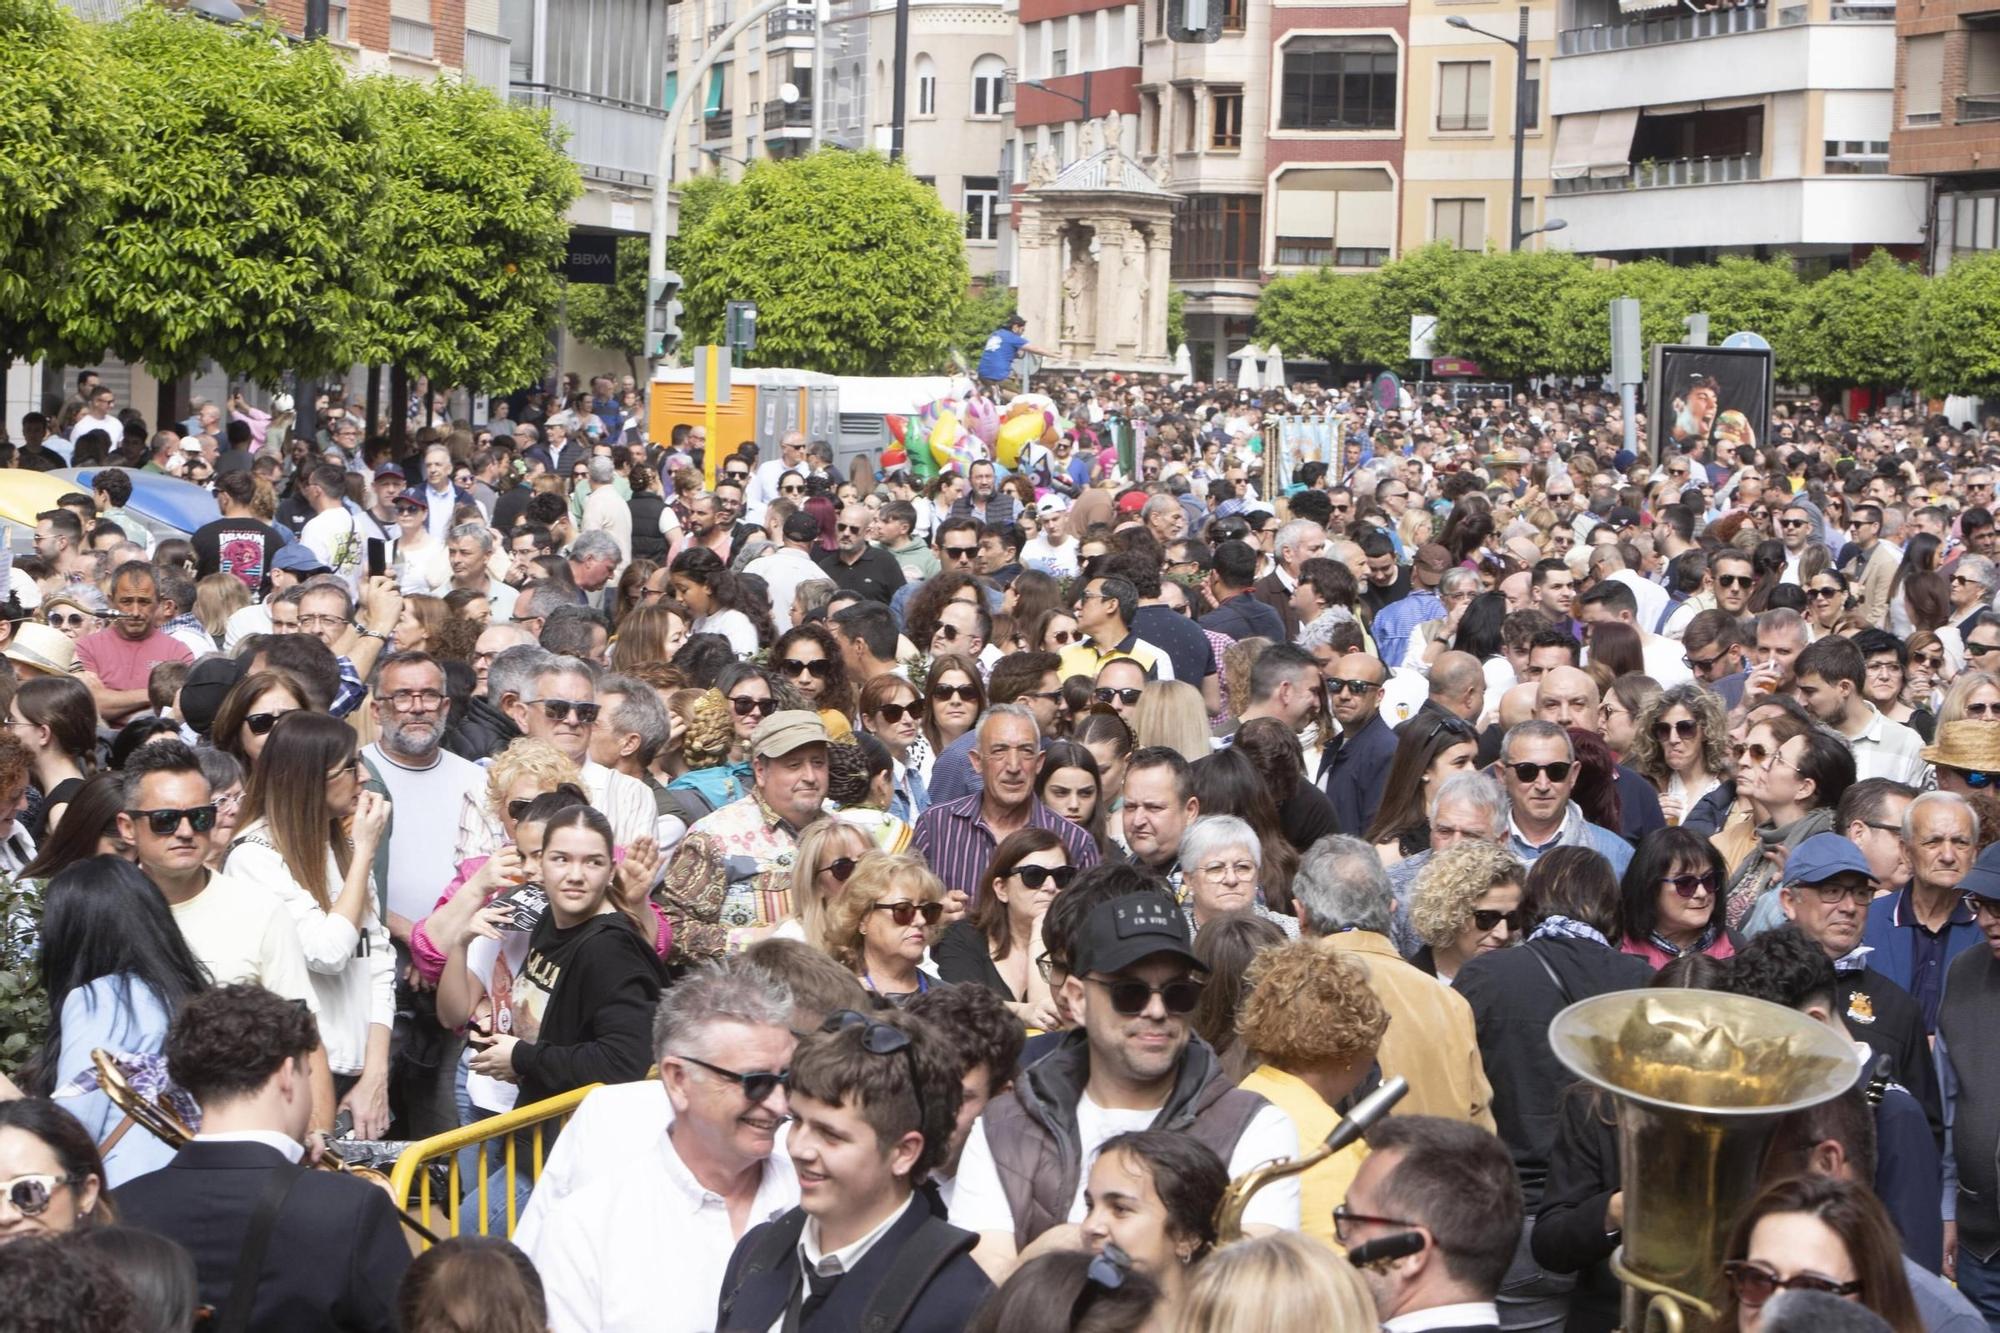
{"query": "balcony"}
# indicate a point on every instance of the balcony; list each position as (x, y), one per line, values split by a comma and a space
(1974, 107)
(407, 37)
(1823, 215)
(717, 126)
(780, 117)
(1656, 175)
(716, 30)
(1654, 31)
(609, 140)
(790, 22)
(672, 49)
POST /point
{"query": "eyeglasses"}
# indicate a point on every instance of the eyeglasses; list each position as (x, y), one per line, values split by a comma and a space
(1687, 886)
(322, 622)
(560, 710)
(958, 552)
(166, 821)
(30, 1196)
(410, 701)
(965, 694)
(737, 476)
(757, 1085)
(745, 705)
(904, 913)
(260, 724)
(820, 668)
(1558, 771)
(1979, 906)
(1837, 891)
(1343, 1216)
(1736, 580)
(840, 868)
(1822, 594)
(75, 620)
(1755, 1284)
(951, 633)
(847, 527)
(1036, 876)
(1685, 728)
(1485, 918)
(897, 712)
(1357, 688)
(1130, 996)
(879, 1038)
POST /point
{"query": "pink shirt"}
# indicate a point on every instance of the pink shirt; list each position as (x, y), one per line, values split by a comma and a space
(123, 664)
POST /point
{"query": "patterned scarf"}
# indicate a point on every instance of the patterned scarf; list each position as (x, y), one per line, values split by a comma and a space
(1568, 928)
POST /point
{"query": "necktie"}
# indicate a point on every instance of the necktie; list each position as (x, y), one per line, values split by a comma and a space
(819, 1286)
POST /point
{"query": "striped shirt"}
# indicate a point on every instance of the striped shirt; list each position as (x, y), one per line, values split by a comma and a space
(958, 842)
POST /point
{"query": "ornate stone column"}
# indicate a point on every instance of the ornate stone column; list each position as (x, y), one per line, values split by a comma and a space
(1111, 298)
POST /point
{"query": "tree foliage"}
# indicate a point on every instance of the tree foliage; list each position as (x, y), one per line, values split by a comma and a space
(982, 312)
(1858, 326)
(1176, 319)
(240, 224)
(1420, 283)
(855, 266)
(1503, 311)
(1957, 347)
(1318, 315)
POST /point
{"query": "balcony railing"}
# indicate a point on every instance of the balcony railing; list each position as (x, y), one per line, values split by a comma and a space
(609, 140)
(716, 30)
(671, 49)
(1863, 13)
(487, 59)
(791, 21)
(1676, 171)
(1978, 106)
(788, 115)
(1654, 31)
(717, 126)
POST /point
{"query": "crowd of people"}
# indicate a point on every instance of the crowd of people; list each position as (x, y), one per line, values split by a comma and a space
(944, 888)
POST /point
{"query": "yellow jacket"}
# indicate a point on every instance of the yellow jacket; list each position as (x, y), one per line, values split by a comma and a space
(1430, 1040)
(1322, 1186)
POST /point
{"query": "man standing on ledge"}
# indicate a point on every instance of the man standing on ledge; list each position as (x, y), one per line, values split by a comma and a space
(1003, 346)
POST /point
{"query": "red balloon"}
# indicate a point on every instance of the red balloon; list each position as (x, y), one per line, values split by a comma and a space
(896, 427)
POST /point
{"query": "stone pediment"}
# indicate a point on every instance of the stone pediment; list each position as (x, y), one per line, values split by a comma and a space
(1110, 169)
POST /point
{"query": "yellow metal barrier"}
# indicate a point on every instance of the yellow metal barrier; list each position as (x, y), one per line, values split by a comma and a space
(410, 1173)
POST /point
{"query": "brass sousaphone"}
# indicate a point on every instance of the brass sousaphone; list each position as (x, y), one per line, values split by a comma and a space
(1700, 1081)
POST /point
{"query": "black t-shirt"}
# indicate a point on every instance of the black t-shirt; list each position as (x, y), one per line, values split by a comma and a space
(1375, 598)
(1180, 639)
(241, 546)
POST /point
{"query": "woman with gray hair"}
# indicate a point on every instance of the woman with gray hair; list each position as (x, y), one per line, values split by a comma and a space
(1221, 860)
(1457, 590)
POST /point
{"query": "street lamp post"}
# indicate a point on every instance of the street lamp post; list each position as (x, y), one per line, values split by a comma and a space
(1520, 45)
(1082, 102)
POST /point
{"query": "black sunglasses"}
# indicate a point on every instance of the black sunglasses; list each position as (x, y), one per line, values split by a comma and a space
(821, 667)
(1357, 688)
(879, 1038)
(745, 705)
(1130, 997)
(1735, 580)
(965, 694)
(757, 1085)
(519, 805)
(260, 724)
(897, 712)
(958, 552)
(1558, 771)
(560, 709)
(840, 868)
(1687, 886)
(1128, 696)
(1036, 876)
(1755, 1284)
(905, 913)
(1687, 726)
(1485, 918)
(163, 821)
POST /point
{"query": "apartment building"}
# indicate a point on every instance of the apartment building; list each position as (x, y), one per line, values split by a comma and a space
(1946, 128)
(1752, 128)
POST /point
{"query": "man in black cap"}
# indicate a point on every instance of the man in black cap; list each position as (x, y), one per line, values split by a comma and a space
(1131, 1063)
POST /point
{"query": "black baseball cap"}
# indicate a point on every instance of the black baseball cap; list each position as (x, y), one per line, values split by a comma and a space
(1129, 929)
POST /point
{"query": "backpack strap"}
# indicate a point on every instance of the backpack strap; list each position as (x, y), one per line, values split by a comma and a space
(1561, 989)
(776, 1243)
(922, 1257)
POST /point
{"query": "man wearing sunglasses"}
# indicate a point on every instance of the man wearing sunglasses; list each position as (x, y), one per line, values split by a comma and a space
(858, 566)
(1539, 769)
(682, 1167)
(1132, 980)
(1105, 611)
(560, 706)
(1028, 679)
(764, 481)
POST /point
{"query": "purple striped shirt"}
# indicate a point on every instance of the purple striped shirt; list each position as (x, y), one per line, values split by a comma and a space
(957, 841)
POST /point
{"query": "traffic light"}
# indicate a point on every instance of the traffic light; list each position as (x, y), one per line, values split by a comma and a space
(739, 325)
(1194, 20)
(664, 320)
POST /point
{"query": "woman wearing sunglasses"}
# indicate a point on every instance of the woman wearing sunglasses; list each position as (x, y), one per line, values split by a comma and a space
(1793, 775)
(1053, 631)
(309, 833)
(1814, 1233)
(881, 927)
(996, 946)
(954, 699)
(1680, 744)
(1428, 751)
(251, 708)
(808, 658)
(891, 711)
(51, 1178)
(1826, 602)
(829, 849)
(1668, 902)
(1467, 901)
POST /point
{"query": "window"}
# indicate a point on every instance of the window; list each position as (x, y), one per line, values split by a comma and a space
(1058, 62)
(989, 73)
(1343, 216)
(927, 180)
(1217, 236)
(1226, 118)
(1857, 157)
(926, 86)
(1056, 152)
(1339, 83)
(1459, 221)
(1534, 97)
(1233, 14)
(982, 208)
(1184, 118)
(1923, 79)
(1465, 91)
(1149, 121)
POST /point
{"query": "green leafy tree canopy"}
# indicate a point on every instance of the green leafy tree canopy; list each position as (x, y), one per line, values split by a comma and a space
(1320, 315)
(1957, 349)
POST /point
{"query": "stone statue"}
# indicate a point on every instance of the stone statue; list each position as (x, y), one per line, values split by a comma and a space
(1079, 297)
(1114, 138)
(1041, 168)
(1086, 141)
(1132, 289)
(1114, 168)
(1163, 169)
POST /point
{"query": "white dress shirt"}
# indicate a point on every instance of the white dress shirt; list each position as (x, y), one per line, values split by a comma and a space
(1470, 1314)
(842, 1260)
(292, 1149)
(594, 1146)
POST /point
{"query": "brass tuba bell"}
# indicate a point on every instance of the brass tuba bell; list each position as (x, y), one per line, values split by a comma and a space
(1700, 1080)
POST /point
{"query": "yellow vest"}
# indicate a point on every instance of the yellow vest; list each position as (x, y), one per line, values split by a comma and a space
(1325, 1185)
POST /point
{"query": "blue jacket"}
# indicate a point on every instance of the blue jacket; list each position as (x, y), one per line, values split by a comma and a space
(1893, 935)
(1354, 783)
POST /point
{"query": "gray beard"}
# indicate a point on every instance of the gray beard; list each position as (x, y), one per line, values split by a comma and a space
(401, 742)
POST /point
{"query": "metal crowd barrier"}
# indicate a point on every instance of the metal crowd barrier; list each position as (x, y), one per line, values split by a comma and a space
(436, 1159)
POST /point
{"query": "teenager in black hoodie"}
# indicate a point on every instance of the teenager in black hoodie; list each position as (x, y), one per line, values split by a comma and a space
(590, 981)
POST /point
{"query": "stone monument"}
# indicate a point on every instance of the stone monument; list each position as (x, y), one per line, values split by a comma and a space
(1095, 239)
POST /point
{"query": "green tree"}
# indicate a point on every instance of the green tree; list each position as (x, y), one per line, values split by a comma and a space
(982, 312)
(1176, 319)
(613, 315)
(1501, 310)
(855, 266)
(1858, 326)
(1420, 283)
(474, 198)
(1754, 295)
(241, 222)
(1580, 326)
(1319, 315)
(56, 137)
(1957, 348)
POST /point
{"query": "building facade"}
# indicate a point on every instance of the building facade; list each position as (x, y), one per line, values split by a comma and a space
(1946, 128)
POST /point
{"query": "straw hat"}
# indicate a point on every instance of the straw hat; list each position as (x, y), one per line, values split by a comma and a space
(1970, 744)
(42, 648)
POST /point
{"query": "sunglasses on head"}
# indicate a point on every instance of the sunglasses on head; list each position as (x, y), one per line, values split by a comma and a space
(821, 668)
(560, 710)
(1130, 997)
(1485, 918)
(1036, 876)
(879, 1038)
(744, 705)
(1685, 728)
(904, 913)
(1687, 886)
(757, 1085)
(965, 694)
(30, 1196)
(164, 821)
(1558, 771)
(1755, 1284)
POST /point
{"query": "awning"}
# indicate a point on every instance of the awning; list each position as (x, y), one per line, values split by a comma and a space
(1611, 145)
(1571, 157)
(1645, 6)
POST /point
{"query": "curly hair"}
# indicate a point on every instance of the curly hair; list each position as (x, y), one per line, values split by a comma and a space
(527, 757)
(1308, 1005)
(920, 618)
(1455, 879)
(876, 875)
(839, 692)
(1705, 706)
(710, 733)
(227, 1042)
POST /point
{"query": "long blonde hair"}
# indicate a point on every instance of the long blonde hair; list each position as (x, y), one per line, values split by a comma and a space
(808, 907)
(1280, 1283)
(1171, 713)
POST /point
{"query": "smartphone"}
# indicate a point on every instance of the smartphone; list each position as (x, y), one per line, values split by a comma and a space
(378, 557)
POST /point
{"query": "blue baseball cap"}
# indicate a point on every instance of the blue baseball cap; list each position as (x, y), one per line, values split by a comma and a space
(1983, 880)
(1823, 856)
(298, 558)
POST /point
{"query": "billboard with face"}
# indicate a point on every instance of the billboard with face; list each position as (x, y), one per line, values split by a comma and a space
(1718, 396)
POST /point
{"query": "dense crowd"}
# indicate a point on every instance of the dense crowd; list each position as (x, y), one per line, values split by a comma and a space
(945, 886)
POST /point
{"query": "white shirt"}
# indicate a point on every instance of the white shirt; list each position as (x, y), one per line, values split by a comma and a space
(1888, 749)
(240, 931)
(335, 537)
(1056, 561)
(1652, 598)
(292, 1149)
(596, 1145)
(980, 1204)
(601, 1251)
(1665, 659)
(1467, 1314)
(783, 570)
(733, 626)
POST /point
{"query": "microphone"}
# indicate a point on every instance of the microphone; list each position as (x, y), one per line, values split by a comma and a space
(1366, 1112)
(1386, 1249)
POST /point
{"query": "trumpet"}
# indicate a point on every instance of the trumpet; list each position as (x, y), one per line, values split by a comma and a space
(165, 1126)
(1229, 1213)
